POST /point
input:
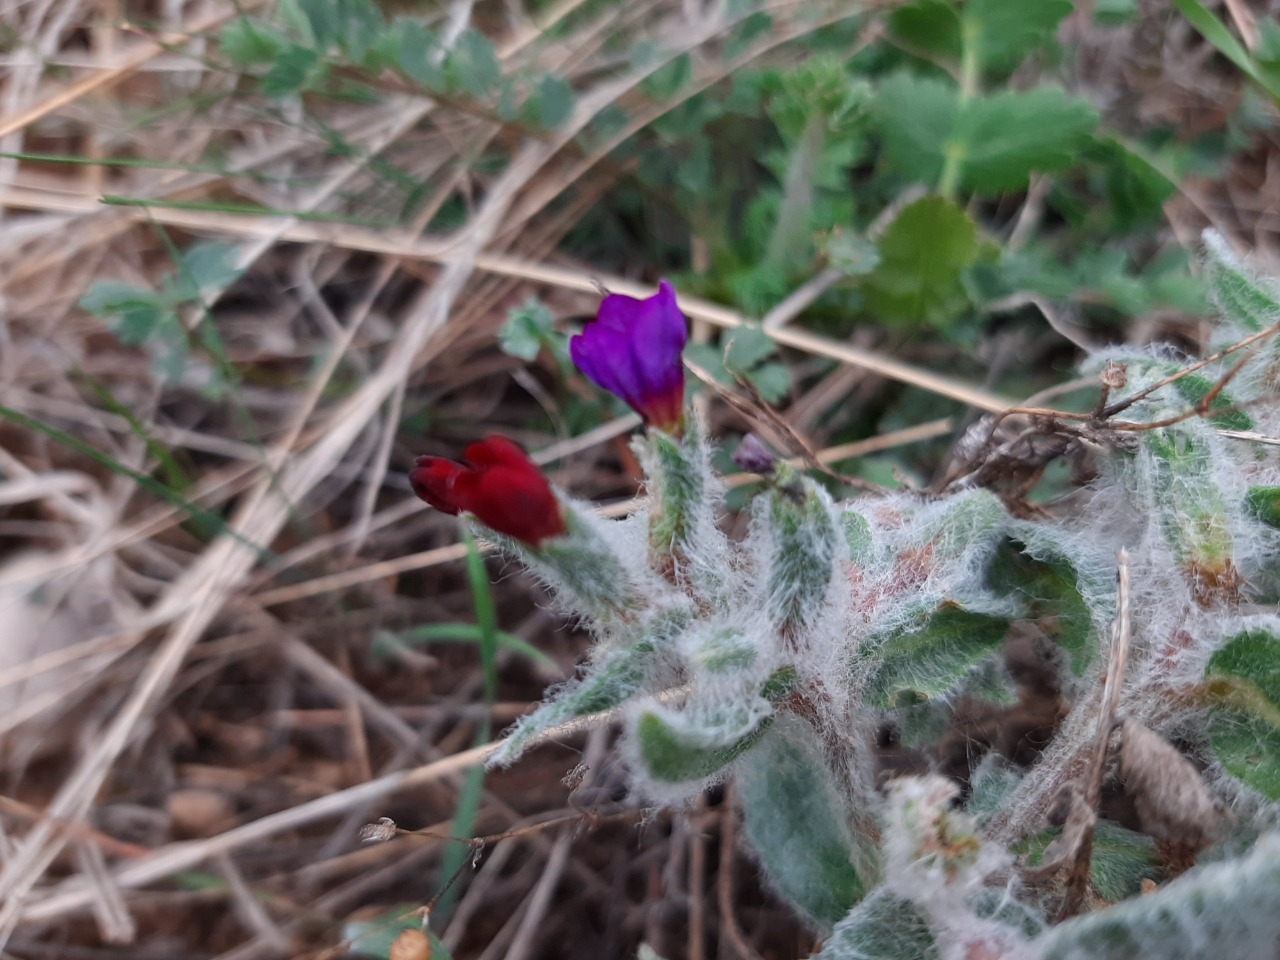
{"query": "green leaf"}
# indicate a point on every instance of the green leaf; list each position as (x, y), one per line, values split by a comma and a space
(747, 346)
(527, 329)
(745, 33)
(1243, 678)
(1008, 31)
(924, 254)
(934, 659)
(473, 65)
(667, 81)
(248, 42)
(1121, 859)
(1050, 589)
(416, 54)
(675, 748)
(928, 28)
(207, 266)
(1002, 33)
(797, 822)
(916, 118)
(772, 381)
(1193, 388)
(290, 71)
(1264, 503)
(1224, 909)
(884, 926)
(607, 684)
(138, 313)
(676, 471)
(1242, 298)
(802, 552)
(996, 142)
(555, 99)
(1192, 513)
(1002, 139)
(1136, 188)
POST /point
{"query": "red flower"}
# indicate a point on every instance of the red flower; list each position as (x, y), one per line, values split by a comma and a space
(499, 484)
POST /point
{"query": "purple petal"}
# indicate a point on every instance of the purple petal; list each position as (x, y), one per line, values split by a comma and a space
(633, 350)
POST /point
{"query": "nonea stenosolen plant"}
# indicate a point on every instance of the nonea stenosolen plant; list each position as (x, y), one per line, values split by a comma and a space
(959, 724)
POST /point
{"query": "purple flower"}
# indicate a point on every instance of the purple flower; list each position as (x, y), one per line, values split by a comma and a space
(633, 351)
(753, 456)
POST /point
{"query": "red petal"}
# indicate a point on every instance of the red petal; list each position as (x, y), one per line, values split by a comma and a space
(435, 480)
(496, 451)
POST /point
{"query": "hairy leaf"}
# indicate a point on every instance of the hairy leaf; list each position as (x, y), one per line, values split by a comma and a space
(882, 927)
(1241, 297)
(684, 747)
(1244, 681)
(797, 822)
(935, 658)
(1226, 909)
(607, 684)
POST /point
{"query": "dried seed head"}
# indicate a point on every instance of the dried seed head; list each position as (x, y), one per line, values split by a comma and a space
(379, 832)
(1115, 375)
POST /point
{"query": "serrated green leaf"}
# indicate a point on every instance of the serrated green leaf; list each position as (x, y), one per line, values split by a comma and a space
(1008, 31)
(526, 331)
(916, 117)
(797, 822)
(709, 358)
(772, 381)
(1243, 678)
(290, 72)
(929, 28)
(248, 42)
(884, 926)
(923, 256)
(133, 313)
(209, 265)
(933, 659)
(1002, 139)
(993, 143)
(746, 347)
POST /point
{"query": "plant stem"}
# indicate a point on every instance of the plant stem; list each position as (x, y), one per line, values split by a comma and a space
(970, 69)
